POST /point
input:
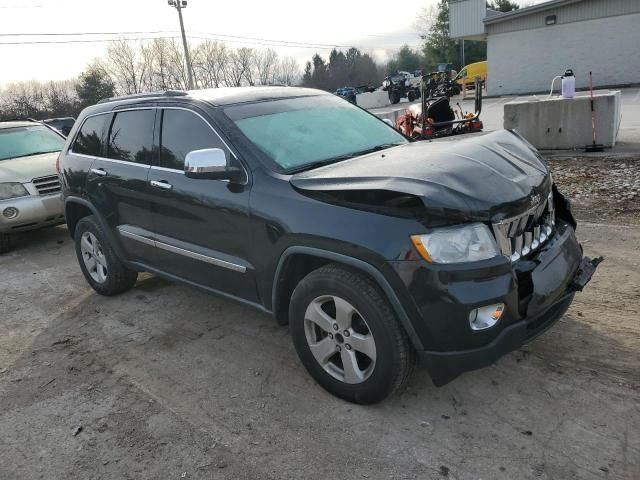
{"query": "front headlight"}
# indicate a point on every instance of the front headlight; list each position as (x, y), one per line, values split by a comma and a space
(467, 243)
(12, 190)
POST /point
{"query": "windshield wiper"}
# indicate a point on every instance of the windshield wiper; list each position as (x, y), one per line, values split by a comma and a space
(329, 161)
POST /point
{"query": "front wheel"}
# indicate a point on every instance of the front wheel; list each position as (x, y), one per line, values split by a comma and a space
(347, 336)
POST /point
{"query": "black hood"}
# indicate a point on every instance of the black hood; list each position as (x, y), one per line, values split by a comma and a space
(480, 178)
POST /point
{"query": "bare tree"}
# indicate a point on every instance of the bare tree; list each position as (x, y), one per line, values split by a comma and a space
(245, 58)
(288, 71)
(125, 66)
(159, 71)
(210, 61)
(23, 100)
(178, 77)
(236, 68)
(133, 67)
(38, 100)
(61, 98)
(266, 64)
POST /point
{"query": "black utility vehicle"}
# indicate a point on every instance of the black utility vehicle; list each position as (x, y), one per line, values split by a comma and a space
(372, 248)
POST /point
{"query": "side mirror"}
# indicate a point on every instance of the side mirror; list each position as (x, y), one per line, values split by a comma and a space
(210, 163)
(389, 122)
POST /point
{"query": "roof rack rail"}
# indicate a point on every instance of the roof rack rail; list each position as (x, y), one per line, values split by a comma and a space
(165, 93)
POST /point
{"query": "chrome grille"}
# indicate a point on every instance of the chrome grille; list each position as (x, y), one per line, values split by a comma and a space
(519, 236)
(47, 185)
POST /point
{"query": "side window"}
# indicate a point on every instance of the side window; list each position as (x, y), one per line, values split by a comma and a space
(131, 136)
(182, 132)
(90, 139)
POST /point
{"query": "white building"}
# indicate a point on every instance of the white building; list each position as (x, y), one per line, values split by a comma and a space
(526, 48)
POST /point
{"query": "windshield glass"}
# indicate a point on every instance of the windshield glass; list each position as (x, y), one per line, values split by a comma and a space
(302, 132)
(24, 141)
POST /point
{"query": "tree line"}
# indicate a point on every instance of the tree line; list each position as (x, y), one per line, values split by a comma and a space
(352, 68)
(355, 68)
(134, 67)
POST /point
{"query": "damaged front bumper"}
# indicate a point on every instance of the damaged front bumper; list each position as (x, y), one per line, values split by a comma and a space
(536, 292)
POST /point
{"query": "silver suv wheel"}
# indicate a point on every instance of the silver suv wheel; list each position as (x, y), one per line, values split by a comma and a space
(93, 257)
(340, 339)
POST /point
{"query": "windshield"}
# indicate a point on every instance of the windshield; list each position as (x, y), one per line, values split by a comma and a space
(303, 132)
(24, 141)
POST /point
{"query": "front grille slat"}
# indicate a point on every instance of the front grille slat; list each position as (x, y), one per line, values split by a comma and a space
(518, 245)
(519, 236)
(47, 185)
(536, 237)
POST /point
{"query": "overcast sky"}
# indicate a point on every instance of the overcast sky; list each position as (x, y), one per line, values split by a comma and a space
(376, 26)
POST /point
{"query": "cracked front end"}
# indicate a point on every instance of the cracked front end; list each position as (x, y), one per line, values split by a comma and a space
(520, 292)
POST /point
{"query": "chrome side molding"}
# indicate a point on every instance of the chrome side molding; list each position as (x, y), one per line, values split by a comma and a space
(181, 251)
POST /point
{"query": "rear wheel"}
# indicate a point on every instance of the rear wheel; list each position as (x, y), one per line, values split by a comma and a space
(5, 242)
(106, 274)
(347, 336)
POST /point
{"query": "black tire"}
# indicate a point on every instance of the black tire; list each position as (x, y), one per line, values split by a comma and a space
(395, 357)
(118, 278)
(394, 98)
(411, 96)
(5, 242)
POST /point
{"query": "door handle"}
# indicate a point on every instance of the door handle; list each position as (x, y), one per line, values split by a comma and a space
(163, 184)
(101, 172)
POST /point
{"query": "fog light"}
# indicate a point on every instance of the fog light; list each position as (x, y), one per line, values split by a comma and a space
(10, 212)
(485, 317)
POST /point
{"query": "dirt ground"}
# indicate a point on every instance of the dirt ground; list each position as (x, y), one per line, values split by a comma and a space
(167, 382)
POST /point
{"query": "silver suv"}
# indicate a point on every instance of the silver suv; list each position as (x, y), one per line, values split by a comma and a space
(29, 186)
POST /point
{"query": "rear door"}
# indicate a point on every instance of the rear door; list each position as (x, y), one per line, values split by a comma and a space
(201, 225)
(118, 181)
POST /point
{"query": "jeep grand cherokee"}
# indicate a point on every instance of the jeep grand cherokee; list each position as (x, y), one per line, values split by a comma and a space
(373, 249)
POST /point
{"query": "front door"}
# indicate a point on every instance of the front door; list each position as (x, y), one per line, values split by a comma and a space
(118, 181)
(201, 226)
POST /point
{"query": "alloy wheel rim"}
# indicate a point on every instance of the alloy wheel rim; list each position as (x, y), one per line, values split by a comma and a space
(340, 339)
(93, 257)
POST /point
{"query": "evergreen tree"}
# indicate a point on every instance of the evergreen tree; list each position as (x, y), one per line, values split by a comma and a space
(306, 77)
(438, 47)
(94, 85)
(503, 5)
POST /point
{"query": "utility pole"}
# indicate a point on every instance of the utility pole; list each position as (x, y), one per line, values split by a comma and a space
(179, 5)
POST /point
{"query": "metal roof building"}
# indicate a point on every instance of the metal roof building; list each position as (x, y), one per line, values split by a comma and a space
(526, 48)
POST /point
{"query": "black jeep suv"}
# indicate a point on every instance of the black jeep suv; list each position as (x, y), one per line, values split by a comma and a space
(372, 248)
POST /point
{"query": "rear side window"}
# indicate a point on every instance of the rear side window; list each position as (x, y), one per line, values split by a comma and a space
(131, 136)
(183, 132)
(90, 139)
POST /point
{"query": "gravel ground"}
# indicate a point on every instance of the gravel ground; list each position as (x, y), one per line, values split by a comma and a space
(601, 189)
(167, 382)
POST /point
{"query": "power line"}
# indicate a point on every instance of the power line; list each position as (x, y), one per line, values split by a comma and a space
(75, 34)
(201, 36)
(107, 40)
(309, 44)
(220, 36)
(267, 44)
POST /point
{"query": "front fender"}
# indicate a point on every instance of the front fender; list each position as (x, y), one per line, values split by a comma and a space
(356, 263)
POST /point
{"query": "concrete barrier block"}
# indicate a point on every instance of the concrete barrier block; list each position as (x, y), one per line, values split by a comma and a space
(557, 123)
(372, 99)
